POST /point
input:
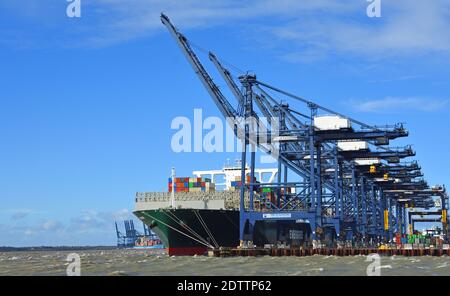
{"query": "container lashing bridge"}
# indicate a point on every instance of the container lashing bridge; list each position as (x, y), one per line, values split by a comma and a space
(349, 184)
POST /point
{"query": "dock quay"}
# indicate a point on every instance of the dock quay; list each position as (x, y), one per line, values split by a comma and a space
(303, 252)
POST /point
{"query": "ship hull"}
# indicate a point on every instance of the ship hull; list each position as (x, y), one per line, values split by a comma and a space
(190, 231)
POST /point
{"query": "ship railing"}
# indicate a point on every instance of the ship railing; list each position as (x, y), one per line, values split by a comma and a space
(165, 196)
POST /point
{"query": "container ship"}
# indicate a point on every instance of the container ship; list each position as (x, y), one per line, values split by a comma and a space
(132, 238)
(202, 212)
(151, 241)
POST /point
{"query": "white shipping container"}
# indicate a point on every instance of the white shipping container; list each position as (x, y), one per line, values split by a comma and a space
(372, 161)
(380, 180)
(353, 145)
(331, 122)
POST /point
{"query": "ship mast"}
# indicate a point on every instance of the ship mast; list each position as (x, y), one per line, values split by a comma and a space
(172, 197)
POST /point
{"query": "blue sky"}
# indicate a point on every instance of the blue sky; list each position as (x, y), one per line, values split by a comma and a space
(86, 103)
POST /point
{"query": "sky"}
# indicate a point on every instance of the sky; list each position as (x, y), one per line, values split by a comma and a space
(86, 104)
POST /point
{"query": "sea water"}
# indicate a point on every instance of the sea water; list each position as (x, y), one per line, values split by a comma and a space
(156, 262)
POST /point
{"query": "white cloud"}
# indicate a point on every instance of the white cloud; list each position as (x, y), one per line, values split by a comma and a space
(126, 20)
(89, 226)
(301, 30)
(396, 79)
(19, 214)
(51, 225)
(30, 232)
(313, 28)
(399, 104)
(407, 27)
(91, 221)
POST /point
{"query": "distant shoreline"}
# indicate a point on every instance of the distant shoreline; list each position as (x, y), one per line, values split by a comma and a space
(59, 248)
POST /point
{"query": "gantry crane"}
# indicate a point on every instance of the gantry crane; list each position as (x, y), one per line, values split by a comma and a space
(358, 195)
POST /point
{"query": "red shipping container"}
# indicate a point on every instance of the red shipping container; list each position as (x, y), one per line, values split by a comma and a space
(248, 179)
(273, 199)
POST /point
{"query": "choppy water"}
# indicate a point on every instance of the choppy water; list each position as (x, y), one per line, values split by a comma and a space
(151, 262)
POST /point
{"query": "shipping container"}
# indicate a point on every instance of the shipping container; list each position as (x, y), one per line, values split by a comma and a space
(331, 122)
(367, 162)
(353, 145)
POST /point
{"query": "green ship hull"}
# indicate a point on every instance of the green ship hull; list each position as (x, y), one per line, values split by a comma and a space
(192, 231)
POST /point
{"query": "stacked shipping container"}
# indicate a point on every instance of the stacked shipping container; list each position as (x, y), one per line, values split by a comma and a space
(237, 183)
(192, 185)
(267, 192)
(270, 193)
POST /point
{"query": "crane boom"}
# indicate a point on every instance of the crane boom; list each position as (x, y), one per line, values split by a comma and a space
(226, 75)
(219, 99)
(264, 110)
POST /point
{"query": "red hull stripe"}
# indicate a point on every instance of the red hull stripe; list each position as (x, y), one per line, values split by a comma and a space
(186, 251)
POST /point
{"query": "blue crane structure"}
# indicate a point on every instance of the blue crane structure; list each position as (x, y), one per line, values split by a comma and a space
(359, 196)
(131, 235)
